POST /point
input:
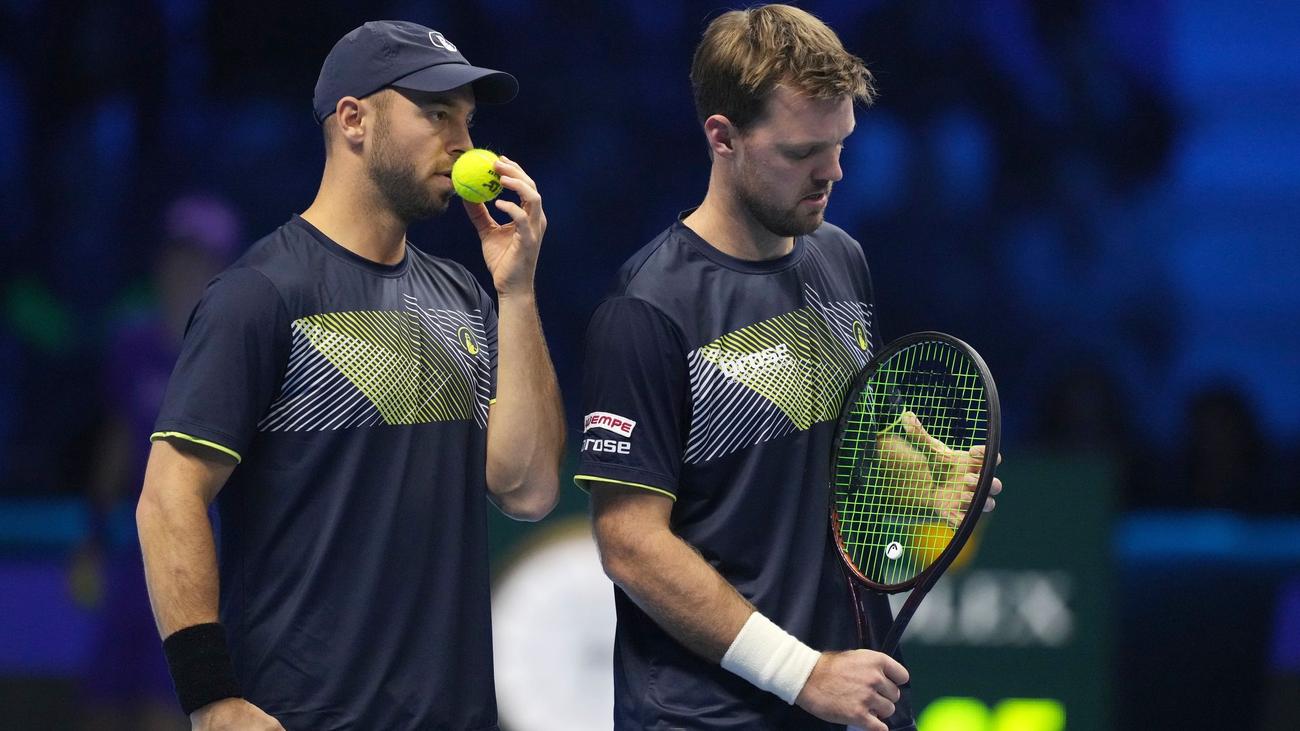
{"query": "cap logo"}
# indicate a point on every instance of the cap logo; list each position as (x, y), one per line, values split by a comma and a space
(439, 41)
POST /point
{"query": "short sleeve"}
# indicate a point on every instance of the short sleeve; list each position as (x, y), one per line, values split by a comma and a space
(489, 311)
(231, 364)
(861, 272)
(634, 399)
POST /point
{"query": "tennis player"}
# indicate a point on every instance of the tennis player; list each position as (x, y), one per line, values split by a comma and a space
(336, 388)
(713, 378)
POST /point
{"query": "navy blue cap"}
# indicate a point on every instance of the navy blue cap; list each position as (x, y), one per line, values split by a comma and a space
(406, 55)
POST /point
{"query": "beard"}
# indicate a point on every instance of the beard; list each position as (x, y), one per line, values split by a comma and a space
(778, 218)
(407, 194)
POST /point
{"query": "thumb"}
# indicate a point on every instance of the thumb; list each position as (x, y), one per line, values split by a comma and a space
(479, 217)
(917, 433)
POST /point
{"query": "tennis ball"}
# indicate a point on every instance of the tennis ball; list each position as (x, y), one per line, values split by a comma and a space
(473, 176)
(929, 539)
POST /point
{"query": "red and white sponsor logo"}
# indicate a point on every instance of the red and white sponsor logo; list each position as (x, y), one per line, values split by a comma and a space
(613, 422)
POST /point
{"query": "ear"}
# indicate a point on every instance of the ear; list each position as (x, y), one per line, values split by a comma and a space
(349, 119)
(721, 135)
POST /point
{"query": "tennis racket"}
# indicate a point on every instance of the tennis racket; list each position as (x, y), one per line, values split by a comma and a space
(913, 459)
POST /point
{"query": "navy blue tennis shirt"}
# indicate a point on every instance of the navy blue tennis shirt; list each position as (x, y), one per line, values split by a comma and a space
(716, 382)
(354, 577)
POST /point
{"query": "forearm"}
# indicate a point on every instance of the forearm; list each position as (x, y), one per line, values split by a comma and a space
(671, 581)
(180, 560)
(526, 425)
(691, 600)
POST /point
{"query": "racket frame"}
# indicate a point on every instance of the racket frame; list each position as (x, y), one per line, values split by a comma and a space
(926, 579)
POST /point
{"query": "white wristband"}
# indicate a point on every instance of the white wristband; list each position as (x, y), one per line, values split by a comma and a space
(771, 658)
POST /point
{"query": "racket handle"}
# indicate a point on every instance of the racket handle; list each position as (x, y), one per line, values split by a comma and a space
(895, 635)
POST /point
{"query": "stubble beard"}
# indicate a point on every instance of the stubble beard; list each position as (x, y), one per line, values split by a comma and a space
(776, 218)
(400, 185)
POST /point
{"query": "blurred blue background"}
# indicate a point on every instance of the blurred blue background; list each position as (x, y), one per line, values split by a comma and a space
(1102, 197)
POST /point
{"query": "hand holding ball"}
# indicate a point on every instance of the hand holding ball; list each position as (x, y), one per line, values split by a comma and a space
(474, 177)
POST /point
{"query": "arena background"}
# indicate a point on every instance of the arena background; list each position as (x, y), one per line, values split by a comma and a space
(1109, 193)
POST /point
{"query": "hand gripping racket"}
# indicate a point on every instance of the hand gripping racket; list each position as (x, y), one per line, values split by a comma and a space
(912, 462)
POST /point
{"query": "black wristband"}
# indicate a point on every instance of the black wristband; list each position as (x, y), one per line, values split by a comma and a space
(200, 664)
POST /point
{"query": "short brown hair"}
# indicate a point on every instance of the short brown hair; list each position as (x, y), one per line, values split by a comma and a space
(745, 53)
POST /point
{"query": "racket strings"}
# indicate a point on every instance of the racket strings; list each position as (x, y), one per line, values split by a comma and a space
(899, 495)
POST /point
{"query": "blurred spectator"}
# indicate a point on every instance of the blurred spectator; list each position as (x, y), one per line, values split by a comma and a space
(1225, 456)
(127, 686)
(1086, 409)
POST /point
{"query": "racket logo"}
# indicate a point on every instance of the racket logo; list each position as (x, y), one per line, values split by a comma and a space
(893, 550)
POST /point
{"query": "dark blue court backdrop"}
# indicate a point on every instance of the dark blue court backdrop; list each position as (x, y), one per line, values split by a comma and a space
(1103, 197)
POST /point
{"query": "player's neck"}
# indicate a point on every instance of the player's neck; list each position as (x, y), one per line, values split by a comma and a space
(724, 223)
(352, 217)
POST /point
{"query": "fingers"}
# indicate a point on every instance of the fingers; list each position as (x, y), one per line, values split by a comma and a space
(506, 166)
(479, 217)
(978, 454)
(888, 691)
(528, 195)
(994, 489)
(859, 687)
(894, 670)
(517, 214)
(881, 707)
(870, 723)
(514, 178)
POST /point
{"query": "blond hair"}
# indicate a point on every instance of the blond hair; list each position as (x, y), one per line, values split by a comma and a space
(745, 53)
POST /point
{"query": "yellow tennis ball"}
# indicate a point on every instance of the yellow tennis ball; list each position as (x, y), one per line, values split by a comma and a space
(929, 539)
(474, 177)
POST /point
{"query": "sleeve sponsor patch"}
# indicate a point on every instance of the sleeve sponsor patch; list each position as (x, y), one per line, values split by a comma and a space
(606, 446)
(620, 425)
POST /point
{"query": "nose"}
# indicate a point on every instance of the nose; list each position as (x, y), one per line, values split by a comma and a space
(830, 170)
(459, 140)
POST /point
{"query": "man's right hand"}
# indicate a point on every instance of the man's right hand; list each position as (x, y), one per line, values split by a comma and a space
(858, 687)
(232, 714)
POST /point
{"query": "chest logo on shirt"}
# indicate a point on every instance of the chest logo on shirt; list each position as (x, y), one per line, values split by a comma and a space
(775, 377)
(413, 366)
(466, 337)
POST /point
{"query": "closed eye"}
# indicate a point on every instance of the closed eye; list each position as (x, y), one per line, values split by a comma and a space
(803, 153)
